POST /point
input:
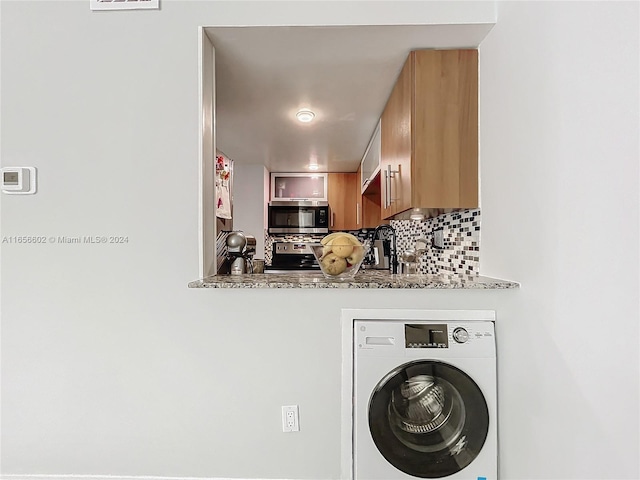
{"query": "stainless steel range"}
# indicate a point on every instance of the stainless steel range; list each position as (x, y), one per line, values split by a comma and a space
(289, 257)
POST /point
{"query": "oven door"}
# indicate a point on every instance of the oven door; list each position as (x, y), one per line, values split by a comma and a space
(293, 257)
(298, 218)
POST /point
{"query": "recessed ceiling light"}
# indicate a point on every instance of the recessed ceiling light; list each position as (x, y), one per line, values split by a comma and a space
(305, 115)
(313, 166)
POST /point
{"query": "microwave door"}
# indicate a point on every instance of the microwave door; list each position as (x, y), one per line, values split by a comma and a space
(301, 219)
(294, 219)
(297, 219)
(306, 219)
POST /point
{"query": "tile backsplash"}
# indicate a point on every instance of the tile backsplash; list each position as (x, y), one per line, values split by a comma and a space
(461, 232)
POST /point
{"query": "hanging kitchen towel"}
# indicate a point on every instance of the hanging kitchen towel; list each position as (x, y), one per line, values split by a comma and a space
(223, 200)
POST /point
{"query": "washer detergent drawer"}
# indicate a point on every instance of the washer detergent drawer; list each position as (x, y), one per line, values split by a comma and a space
(379, 341)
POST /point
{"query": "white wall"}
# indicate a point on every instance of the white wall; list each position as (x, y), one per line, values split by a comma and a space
(249, 202)
(110, 365)
(559, 141)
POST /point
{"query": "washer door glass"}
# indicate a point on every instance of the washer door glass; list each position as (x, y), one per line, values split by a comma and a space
(429, 419)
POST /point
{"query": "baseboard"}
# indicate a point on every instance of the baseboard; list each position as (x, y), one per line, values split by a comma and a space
(113, 477)
(100, 477)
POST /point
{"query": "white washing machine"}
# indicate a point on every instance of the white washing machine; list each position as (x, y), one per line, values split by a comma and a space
(424, 399)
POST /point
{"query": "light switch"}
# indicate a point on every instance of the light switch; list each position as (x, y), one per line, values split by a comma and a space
(18, 180)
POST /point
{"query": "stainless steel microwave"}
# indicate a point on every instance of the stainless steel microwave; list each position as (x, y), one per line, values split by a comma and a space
(311, 216)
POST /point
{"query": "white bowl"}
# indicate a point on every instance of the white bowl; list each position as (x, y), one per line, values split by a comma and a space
(340, 262)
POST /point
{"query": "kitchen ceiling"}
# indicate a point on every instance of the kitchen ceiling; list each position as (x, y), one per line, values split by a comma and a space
(264, 75)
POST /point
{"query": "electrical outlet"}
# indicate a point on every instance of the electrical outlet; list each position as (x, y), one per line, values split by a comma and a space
(290, 418)
(438, 238)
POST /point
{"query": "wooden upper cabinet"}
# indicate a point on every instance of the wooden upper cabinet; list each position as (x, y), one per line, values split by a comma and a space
(396, 132)
(343, 190)
(429, 131)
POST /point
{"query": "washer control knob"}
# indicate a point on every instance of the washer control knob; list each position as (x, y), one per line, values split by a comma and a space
(460, 335)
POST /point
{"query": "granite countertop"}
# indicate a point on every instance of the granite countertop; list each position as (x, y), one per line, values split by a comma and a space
(364, 279)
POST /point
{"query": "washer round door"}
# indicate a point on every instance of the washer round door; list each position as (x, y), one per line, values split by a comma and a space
(429, 419)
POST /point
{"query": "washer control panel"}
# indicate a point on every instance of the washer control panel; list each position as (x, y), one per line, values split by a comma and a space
(440, 335)
(424, 338)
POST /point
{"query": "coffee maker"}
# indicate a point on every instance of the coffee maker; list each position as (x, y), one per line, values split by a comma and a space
(383, 255)
(240, 251)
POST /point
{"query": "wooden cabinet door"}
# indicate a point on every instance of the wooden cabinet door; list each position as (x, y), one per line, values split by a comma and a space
(358, 194)
(396, 130)
(341, 191)
(445, 129)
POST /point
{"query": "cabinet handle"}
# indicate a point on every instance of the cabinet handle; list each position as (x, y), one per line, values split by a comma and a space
(357, 214)
(386, 187)
(333, 216)
(389, 174)
(387, 190)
